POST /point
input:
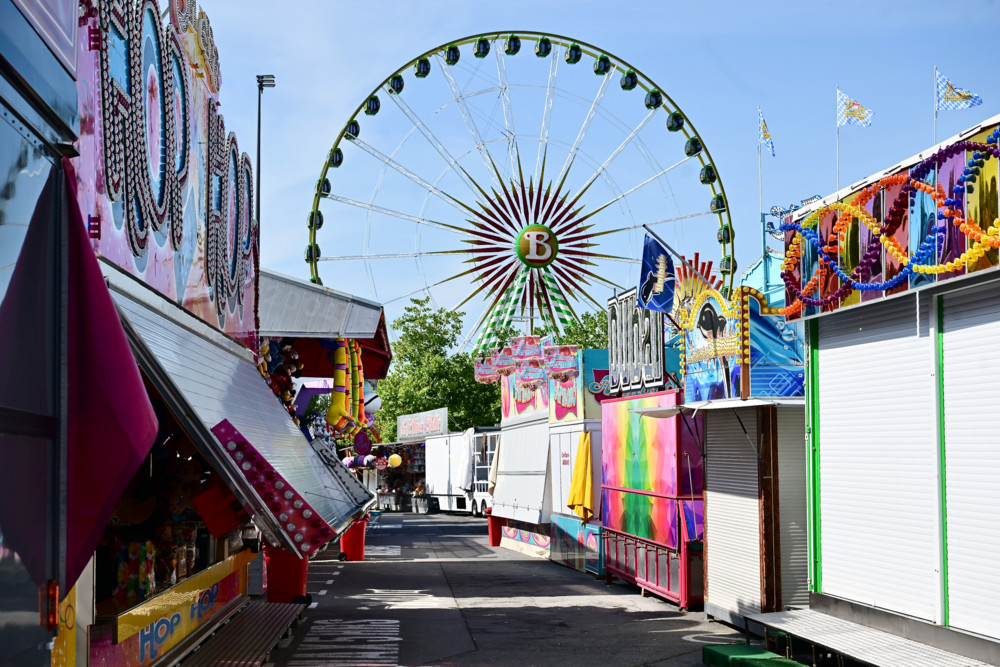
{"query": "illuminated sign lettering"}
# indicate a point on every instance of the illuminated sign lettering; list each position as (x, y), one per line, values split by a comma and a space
(635, 346)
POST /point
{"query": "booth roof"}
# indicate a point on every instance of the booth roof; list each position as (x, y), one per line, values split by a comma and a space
(292, 307)
(731, 403)
(205, 378)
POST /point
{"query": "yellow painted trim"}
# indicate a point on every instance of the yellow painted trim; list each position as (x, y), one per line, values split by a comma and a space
(180, 598)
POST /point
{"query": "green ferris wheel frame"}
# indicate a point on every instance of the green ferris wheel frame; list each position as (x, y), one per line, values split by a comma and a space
(718, 203)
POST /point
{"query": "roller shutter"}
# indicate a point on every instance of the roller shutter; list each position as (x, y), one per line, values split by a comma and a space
(878, 457)
(971, 385)
(792, 507)
(732, 514)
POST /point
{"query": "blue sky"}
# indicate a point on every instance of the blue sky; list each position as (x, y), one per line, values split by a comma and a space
(717, 60)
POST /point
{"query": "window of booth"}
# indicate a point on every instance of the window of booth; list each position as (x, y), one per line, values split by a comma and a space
(167, 526)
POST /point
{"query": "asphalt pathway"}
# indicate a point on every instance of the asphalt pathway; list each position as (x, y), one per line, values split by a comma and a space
(432, 592)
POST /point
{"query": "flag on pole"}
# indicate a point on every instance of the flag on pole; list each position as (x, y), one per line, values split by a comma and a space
(952, 98)
(850, 112)
(656, 279)
(763, 136)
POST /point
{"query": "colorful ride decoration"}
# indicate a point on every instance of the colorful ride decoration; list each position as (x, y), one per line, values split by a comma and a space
(346, 414)
(734, 348)
(933, 220)
(298, 519)
(531, 225)
(163, 183)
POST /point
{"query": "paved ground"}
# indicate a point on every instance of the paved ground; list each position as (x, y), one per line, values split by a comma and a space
(432, 592)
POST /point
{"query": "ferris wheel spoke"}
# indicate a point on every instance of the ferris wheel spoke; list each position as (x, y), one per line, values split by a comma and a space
(580, 268)
(375, 208)
(570, 282)
(508, 111)
(470, 122)
(650, 224)
(391, 255)
(649, 180)
(543, 136)
(409, 174)
(600, 170)
(583, 129)
(435, 142)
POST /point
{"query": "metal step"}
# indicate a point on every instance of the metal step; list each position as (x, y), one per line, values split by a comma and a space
(248, 638)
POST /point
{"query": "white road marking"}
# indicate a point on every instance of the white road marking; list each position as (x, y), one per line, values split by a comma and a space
(337, 642)
(322, 592)
(384, 550)
(330, 581)
(314, 605)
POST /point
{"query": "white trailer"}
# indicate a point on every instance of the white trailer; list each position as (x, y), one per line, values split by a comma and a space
(457, 469)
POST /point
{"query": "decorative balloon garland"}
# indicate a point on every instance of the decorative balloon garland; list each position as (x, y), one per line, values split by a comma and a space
(923, 260)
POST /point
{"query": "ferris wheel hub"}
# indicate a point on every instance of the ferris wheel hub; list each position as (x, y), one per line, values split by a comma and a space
(537, 246)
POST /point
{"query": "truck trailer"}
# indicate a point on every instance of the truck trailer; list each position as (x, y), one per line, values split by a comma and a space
(458, 468)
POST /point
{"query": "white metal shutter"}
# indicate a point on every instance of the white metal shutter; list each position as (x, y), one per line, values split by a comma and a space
(878, 458)
(521, 492)
(971, 381)
(732, 512)
(792, 507)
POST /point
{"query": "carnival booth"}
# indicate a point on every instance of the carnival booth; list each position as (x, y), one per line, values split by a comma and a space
(575, 461)
(522, 495)
(903, 322)
(180, 459)
(743, 376)
(652, 503)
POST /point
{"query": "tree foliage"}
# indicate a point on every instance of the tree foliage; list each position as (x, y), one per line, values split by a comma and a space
(424, 376)
(589, 332)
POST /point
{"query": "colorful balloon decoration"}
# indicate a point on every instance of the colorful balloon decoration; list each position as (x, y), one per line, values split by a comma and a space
(919, 181)
(395, 460)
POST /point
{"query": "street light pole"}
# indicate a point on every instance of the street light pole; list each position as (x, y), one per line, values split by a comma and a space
(263, 81)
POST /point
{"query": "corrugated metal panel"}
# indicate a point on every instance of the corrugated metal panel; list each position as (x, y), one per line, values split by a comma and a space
(217, 382)
(972, 459)
(870, 646)
(521, 492)
(732, 511)
(292, 307)
(878, 458)
(792, 507)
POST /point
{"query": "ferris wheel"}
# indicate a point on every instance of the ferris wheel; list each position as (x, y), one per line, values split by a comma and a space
(509, 176)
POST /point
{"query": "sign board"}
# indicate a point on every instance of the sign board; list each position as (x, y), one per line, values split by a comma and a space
(635, 346)
(418, 427)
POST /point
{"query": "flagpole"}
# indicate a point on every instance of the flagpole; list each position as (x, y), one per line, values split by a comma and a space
(837, 111)
(760, 193)
(935, 105)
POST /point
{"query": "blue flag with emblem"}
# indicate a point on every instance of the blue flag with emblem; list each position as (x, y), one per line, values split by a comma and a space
(656, 279)
(763, 136)
(952, 98)
(851, 112)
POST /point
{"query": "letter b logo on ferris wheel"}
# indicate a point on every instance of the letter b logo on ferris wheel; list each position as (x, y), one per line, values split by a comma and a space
(537, 246)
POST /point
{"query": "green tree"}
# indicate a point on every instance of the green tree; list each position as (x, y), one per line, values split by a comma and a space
(424, 376)
(589, 332)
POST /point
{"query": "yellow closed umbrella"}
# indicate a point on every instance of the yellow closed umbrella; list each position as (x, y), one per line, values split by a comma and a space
(581, 488)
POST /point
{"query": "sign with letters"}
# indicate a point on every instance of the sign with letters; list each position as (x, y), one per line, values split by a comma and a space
(421, 425)
(635, 347)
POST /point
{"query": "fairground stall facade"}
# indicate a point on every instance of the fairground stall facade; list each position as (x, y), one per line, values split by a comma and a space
(897, 279)
(743, 378)
(542, 456)
(160, 458)
(652, 475)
